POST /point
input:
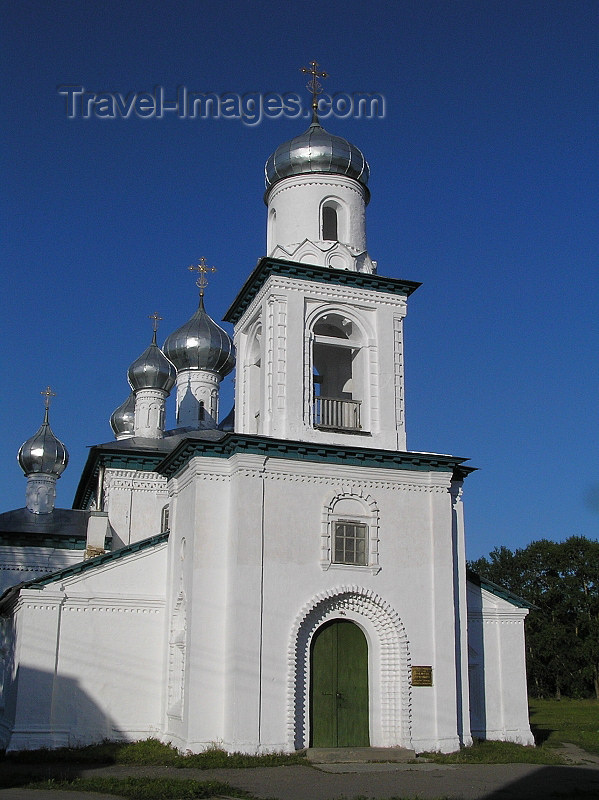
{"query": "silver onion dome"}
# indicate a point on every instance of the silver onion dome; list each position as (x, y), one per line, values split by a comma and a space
(122, 419)
(152, 370)
(43, 452)
(316, 150)
(201, 344)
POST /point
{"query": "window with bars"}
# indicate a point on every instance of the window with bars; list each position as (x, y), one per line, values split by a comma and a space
(351, 543)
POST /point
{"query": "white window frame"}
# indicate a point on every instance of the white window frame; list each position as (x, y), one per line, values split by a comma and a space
(369, 518)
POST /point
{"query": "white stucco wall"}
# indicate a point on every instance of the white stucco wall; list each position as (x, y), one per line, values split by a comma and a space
(134, 500)
(258, 579)
(498, 669)
(88, 655)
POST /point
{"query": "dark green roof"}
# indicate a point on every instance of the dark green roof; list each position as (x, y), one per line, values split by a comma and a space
(310, 272)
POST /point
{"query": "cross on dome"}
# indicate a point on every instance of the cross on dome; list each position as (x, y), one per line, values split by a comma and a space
(48, 394)
(202, 268)
(155, 320)
(313, 84)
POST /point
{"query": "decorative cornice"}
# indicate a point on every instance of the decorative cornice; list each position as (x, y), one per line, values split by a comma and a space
(144, 460)
(309, 272)
(235, 443)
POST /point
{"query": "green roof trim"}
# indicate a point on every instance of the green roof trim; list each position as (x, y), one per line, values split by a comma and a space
(40, 540)
(85, 566)
(497, 590)
(311, 272)
(144, 460)
(305, 451)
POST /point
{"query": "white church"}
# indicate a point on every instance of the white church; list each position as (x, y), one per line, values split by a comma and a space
(289, 576)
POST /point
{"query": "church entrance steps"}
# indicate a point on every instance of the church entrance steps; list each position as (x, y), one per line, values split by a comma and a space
(358, 755)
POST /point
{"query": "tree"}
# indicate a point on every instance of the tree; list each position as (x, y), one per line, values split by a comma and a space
(562, 633)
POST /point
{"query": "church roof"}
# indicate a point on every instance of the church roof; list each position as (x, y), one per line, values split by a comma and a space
(23, 527)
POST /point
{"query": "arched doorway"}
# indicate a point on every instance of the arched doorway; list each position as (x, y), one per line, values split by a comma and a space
(339, 686)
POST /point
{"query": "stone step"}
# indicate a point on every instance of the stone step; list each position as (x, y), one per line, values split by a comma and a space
(358, 755)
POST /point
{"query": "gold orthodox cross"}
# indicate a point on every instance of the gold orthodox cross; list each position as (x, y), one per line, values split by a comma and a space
(202, 268)
(313, 85)
(48, 394)
(155, 320)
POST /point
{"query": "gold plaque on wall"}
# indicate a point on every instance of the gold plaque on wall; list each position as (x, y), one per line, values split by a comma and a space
(422, 676)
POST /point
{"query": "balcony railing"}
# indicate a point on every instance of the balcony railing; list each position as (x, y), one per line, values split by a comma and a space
(335, 414)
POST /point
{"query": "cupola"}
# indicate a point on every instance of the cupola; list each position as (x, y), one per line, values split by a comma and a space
(151, 376)
(203, 354)
(317, 193)
(43, 458)
(122, 420)
(152, 370)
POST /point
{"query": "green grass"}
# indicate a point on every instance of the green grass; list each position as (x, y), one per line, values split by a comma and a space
(557, 721)
(144, 788)
(151, 752)
(497, 753)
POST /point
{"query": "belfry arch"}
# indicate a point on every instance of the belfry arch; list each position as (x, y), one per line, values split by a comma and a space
(337, 363)
(389, 690)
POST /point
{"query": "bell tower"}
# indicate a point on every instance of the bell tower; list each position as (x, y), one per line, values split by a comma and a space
(318, 334)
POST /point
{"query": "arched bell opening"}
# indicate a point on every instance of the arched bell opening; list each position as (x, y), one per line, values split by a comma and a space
(338, 373)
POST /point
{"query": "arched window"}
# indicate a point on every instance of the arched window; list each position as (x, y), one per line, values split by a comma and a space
(329, 223)
(337, 361)
(350, 532)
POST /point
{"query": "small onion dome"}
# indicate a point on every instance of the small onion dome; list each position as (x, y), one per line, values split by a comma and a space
(122, 418)
(201, 344)
(43, 452)
(316, 150)
(152, 370)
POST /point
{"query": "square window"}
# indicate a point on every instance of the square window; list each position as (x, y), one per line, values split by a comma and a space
(350, 543)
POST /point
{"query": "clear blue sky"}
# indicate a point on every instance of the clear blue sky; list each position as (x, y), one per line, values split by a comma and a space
(484, 187)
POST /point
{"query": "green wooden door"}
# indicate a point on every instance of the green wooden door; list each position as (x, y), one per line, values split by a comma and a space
(339, 686)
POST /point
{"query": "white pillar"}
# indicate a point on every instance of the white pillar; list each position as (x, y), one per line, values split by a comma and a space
(149, 413)
(40, 494)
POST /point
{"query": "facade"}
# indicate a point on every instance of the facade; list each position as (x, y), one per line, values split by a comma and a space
(292, 575)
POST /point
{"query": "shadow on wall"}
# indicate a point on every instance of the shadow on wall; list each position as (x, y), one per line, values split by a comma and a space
(44, 710)
(476, 664)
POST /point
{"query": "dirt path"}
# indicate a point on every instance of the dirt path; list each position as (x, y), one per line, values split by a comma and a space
(334, 781)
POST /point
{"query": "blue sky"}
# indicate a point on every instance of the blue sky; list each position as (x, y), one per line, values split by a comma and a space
(484, 187)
